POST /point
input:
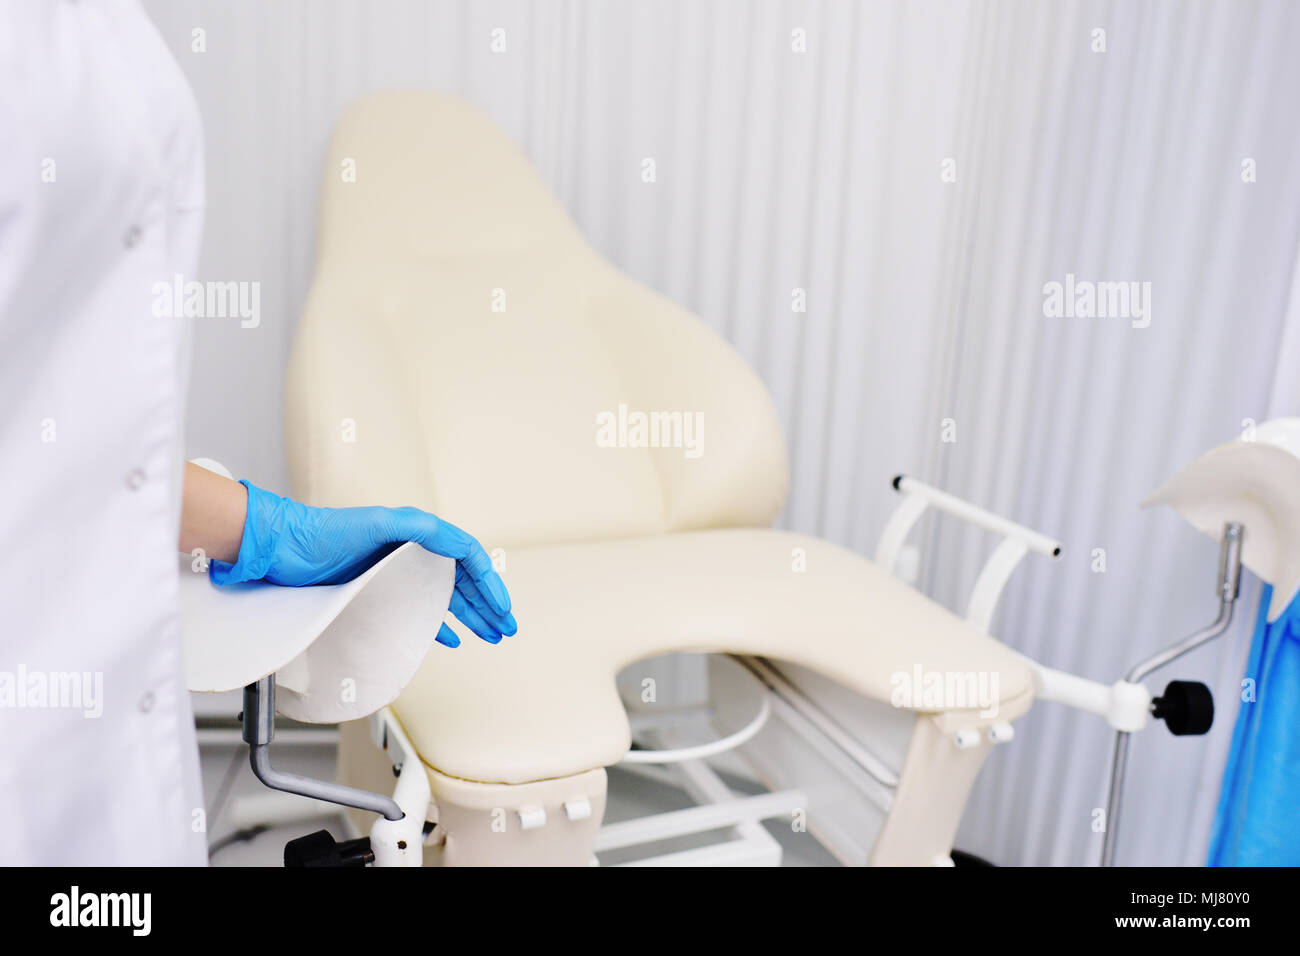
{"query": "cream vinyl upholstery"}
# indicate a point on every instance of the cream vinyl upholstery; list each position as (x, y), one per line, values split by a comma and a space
(407, 387)
(544, 704)
(488, 418)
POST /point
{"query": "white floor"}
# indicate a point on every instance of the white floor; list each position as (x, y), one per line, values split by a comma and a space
(229, 786)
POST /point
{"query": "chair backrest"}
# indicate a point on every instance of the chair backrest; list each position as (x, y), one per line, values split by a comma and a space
(464, 350)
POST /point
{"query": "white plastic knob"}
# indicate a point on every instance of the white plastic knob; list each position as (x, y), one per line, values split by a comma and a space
(532, 818)
(577, 810)
(1001, 732)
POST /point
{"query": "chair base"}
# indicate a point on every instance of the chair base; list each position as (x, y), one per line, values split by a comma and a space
(557, 822)
(542, 823)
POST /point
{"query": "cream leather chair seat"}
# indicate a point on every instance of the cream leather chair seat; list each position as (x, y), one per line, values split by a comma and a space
(543, 703)
(459, 346)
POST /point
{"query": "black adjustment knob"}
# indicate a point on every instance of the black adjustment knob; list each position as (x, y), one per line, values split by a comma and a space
(1186, 706)
(320, 849)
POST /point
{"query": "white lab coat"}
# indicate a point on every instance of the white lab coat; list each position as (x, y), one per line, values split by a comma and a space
(101, 197)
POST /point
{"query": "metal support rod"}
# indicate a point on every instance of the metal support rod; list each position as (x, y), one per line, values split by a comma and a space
(1228, 589)
(981, 517)
(259, 729)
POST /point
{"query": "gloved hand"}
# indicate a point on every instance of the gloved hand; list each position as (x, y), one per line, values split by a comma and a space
(294, 545)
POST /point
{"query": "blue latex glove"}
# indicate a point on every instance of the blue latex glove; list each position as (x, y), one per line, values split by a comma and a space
(295, 545)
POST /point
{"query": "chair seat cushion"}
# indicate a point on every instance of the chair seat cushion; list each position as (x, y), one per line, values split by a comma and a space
(544, 704)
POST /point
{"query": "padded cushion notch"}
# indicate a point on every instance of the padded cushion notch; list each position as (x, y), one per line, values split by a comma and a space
(544, 704)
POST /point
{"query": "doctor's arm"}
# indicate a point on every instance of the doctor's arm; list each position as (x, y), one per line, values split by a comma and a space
(249, 534)
(212, 514)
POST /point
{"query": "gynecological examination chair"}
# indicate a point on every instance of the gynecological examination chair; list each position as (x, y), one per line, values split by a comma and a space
(459, 347)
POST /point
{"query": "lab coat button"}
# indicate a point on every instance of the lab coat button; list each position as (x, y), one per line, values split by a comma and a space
(135, 479)
(132, 237)
(146, 702)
